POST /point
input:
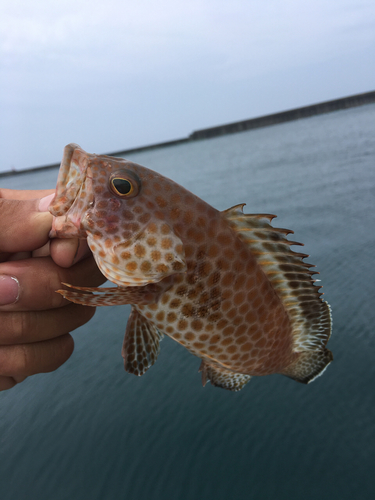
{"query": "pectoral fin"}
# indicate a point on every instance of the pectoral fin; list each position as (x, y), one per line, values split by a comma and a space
(222, 377)
(113, 296)
(141, 344)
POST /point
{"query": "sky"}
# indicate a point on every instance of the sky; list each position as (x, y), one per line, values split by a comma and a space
(120, 74)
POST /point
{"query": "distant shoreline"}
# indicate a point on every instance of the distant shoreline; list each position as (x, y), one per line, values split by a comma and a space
(240, 126)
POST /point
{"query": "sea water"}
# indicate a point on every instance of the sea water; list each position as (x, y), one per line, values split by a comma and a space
(92, 431)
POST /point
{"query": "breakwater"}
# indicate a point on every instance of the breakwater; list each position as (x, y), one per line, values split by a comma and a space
(241, 126)
(286, 116)
(265, 121)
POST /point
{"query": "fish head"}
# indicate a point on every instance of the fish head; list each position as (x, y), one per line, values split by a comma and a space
(109, 201)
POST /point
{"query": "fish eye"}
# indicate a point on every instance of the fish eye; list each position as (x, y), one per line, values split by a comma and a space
(124, 186)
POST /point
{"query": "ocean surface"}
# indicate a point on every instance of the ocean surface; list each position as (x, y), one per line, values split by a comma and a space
(92, 431)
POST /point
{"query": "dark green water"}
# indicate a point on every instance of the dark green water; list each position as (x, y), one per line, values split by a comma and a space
(91, 431)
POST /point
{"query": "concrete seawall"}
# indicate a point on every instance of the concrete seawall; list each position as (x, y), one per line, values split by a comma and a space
(240, 126)
(286, 116)
(263, 121)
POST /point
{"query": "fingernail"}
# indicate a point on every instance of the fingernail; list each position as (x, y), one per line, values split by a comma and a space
(45, 202)
(9, 290)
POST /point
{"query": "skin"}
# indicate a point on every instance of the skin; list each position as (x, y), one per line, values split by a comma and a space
(34, 334)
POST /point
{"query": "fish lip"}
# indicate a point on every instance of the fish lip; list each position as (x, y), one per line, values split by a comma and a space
(65, 227)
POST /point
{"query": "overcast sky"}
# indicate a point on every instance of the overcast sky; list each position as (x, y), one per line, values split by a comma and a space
(119, 74)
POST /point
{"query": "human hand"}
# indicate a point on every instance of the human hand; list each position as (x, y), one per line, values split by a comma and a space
(35, 320)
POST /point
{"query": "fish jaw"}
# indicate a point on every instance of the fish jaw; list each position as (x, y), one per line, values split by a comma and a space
(73, 195)
(71, 176)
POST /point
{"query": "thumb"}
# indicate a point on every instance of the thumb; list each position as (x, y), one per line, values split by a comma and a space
(23, 227)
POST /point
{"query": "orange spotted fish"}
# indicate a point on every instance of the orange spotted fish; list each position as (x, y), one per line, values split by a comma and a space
(225, 285)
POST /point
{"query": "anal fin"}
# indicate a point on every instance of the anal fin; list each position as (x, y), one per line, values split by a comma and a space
(141, 344)
(222, 377)
(308, 365)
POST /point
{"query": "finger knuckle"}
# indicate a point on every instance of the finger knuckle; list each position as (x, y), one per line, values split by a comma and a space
(21, 324)
(24, 359)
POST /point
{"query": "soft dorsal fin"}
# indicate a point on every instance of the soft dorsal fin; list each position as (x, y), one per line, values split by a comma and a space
(290, 276)
(222, 377)
(141, 344)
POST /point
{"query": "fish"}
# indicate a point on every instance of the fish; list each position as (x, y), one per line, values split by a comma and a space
(223, 284)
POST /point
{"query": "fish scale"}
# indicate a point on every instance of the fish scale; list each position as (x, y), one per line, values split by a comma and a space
(224, 285)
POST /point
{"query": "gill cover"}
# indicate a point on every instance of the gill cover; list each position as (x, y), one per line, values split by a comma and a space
(148, 257)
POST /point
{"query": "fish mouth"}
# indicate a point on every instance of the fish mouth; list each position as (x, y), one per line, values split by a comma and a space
(72, 180)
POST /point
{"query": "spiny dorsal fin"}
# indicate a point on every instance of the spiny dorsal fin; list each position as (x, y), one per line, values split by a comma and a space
(141, 344)
(290, 276)
(222, 377)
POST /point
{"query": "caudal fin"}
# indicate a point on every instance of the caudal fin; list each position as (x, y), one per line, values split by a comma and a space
(308, 365)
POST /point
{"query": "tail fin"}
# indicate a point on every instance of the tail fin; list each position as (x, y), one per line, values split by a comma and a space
(308, 365)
